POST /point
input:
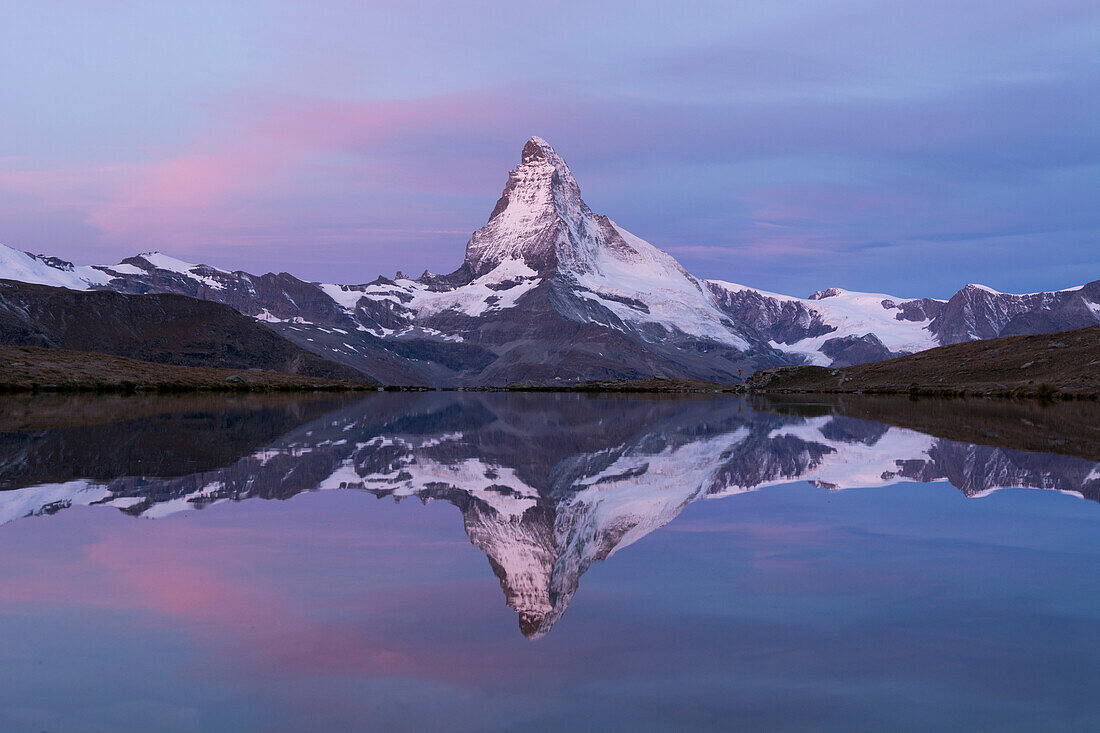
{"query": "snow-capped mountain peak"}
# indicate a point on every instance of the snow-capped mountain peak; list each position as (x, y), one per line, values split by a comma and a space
(539, 218)
(612, 276)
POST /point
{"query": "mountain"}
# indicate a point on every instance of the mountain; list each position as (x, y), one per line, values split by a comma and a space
(836, 327)
(978, 312)
(550, 292)
(546, 485)
(159, 328)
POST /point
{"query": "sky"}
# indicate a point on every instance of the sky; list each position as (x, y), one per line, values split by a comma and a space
(902, 147)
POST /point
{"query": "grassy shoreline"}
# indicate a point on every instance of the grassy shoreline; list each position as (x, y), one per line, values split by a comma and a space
(34, 369)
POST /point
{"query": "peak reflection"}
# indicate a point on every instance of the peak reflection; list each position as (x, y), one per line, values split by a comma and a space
(546, 484)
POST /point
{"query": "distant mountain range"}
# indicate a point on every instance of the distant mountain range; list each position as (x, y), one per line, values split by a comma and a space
(550, 292)
(546, 485)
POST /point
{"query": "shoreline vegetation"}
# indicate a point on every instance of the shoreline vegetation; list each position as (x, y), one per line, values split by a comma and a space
(1058, 366)
(36, 369)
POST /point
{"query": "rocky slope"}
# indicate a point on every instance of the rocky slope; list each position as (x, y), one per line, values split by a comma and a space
(158, 328)
(549, 292)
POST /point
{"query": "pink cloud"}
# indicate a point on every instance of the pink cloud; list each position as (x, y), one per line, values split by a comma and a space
(237, 182)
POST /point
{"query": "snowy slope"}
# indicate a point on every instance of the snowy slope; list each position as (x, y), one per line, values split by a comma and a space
(672, 297)
(848, 314)
(43, 270)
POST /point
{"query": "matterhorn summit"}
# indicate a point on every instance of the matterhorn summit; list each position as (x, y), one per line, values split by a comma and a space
(540, 218)
(542, 221)
(542, 234)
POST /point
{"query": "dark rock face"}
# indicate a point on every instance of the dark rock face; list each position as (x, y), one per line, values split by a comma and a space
(1070, 313)
(828, 293)
(782, 321)
(55, 262)
(280, 296)
(161, 328)
(979, 313)
(922, 309)
(855, 350)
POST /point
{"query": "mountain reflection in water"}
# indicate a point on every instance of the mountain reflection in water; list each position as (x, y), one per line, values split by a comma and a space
(547, 484)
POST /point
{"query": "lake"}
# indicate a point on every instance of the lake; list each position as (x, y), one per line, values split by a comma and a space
(527, 562)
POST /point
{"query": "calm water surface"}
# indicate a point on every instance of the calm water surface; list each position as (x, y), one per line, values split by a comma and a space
(520, 562)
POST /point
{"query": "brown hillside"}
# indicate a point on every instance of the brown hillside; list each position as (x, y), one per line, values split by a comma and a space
(24, 368)
(1065, 363)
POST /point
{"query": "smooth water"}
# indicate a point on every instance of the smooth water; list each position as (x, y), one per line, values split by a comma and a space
(462, 561)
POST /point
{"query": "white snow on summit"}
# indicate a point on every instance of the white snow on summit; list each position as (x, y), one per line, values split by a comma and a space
(40, 270)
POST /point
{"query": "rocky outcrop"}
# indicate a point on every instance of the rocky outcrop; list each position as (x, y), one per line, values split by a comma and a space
(977, 312)
(851, 350)
(782, 320)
